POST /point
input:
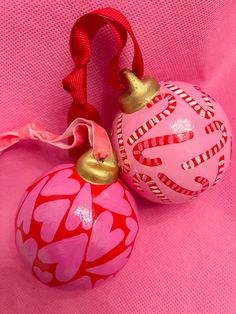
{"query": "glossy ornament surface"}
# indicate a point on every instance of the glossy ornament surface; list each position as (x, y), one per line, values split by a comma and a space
(73, 233)
(176, 146)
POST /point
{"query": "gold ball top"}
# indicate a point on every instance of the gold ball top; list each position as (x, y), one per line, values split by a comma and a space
(139, 92)
(97, 171)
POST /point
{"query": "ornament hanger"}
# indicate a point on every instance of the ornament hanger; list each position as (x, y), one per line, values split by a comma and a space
(82, 34)
(81, 37)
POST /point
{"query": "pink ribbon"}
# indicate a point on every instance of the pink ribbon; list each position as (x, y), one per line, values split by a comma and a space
(98, 137)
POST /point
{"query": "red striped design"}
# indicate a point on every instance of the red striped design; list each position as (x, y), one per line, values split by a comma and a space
(220, 171)
(137, 178)
(179, 189)
(201, 158)
(124, 163)
(158, 141)
(149, 124)
(207, 114)
(204, 93)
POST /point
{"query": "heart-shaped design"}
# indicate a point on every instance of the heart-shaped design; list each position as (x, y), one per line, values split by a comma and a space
(61, 184)
(112, 199)
(51, 214)
(27, 249)
(27, 207)
(113, 265)
(68, 254)
(81, 210)
(43, 276)
(81, 283)
(132, 225)
(102, 239)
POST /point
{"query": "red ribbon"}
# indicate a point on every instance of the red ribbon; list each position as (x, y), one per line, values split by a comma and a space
(82, 34)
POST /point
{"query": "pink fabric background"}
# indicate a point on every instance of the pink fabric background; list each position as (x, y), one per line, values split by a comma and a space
(185, 257)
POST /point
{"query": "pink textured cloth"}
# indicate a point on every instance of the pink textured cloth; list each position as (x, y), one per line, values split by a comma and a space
(185, 257)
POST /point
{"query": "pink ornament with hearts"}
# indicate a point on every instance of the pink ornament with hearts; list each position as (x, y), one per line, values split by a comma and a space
(73, 233)
(173, 141)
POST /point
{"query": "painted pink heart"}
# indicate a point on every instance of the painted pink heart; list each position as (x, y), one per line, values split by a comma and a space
(81, 283)
(43, 276)
(133, 229)
(68, 254)
(81, 210)
(113, 265)
(102, 239)
(27, 249)
(26, 210)
(61, 184)
(113, 199)
(51, 214)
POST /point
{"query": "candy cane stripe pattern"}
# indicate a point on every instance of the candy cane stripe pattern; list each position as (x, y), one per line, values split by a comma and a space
(221, 166)
(203, 92)
(198, 160)
(149, 124)
(207, 114)
(124, 162)
(137, 178)
(178, 130)
(158, 141)
(179, 189)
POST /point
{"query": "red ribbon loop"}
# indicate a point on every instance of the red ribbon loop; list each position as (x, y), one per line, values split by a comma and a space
(82, 34)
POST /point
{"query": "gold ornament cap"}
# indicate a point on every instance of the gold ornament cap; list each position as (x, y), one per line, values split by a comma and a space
(95, 171)
(139, 92)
